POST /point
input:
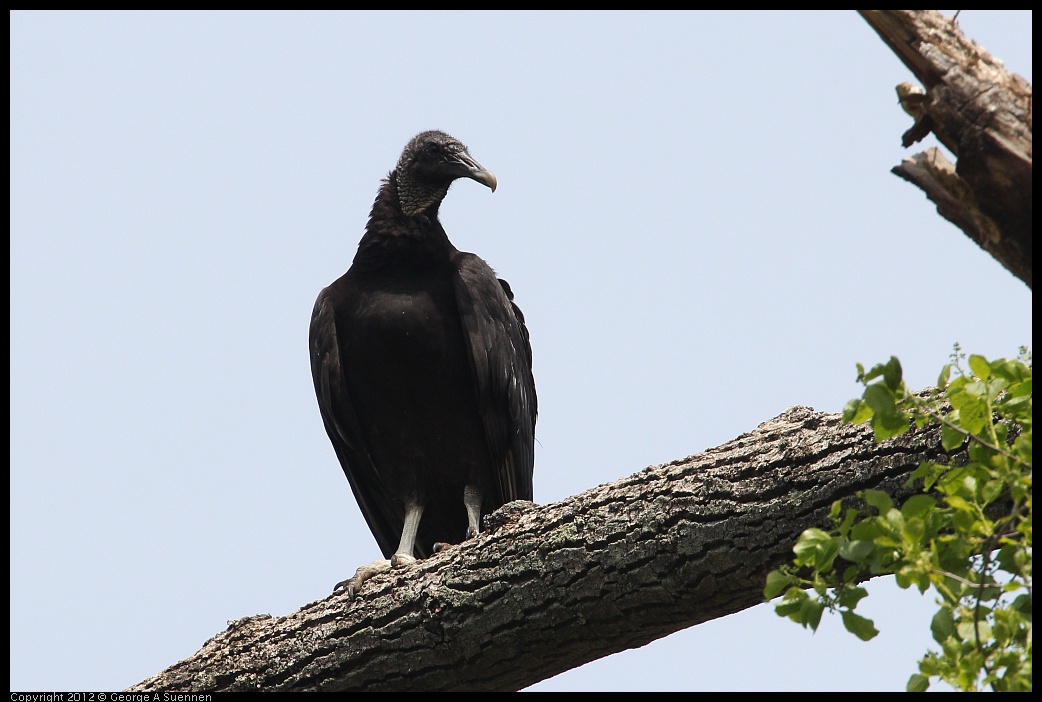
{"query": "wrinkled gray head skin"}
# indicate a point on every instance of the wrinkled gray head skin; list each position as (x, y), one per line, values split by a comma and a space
(431, 161)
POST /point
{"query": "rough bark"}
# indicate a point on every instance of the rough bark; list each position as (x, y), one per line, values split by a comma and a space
(982, 113)
(547, 588)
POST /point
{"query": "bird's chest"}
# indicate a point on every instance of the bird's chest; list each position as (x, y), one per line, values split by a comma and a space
(407, 369)
(417, 326)
(404, 330)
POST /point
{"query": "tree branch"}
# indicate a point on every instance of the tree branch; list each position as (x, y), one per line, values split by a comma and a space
(982, 113)
(547, 588)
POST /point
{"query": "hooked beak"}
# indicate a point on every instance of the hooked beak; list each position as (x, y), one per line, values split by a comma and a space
(485, 178)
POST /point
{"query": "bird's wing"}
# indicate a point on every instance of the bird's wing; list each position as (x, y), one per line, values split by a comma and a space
(345, 432)
(501, 359)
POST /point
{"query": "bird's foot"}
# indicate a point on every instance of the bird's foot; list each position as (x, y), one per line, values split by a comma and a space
(353, 584)
(440, 546)
(399, 560)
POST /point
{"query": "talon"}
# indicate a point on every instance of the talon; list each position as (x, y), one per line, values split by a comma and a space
(399, 560)
(353, 585)
(347, 586)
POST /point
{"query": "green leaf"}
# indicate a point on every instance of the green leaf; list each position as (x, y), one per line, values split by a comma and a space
(826, 555)
(866, 530)
(956, 393)
(859, 626)
(976, 388)
(984, 455)
(991, 491)
(951, 438)
(1007, 558)
(776, 582)
(996, 386)
(980, 366)
(1022, 604)
(966, 628)
(789, 606)
(929, 665)
(973, 415)
(1023, 389)
(816, 548)
(856, 551)
(942, 626)
(892, 373)
(880, 399)
(1022, 447)
(809, 540)
(915, 505)
(878, 499)
(875, 372)
(810, 613)
(913, 532)
(960, 504)
(942, 379)
(850, 517)
(885, 426)
(849, 597)
(856, 412)
(929, 472)
(917, 683)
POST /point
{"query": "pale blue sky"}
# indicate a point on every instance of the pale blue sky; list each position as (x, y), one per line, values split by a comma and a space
(695, 212)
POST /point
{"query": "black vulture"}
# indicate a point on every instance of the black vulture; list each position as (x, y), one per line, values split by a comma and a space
(423, 368)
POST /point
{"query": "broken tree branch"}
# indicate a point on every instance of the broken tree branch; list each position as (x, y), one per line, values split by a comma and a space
(979, 111)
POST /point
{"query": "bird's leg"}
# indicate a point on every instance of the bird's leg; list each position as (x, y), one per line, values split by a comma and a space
(404, 554)
(472, 501)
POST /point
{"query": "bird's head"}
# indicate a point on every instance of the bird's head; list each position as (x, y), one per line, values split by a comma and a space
(428, 166)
